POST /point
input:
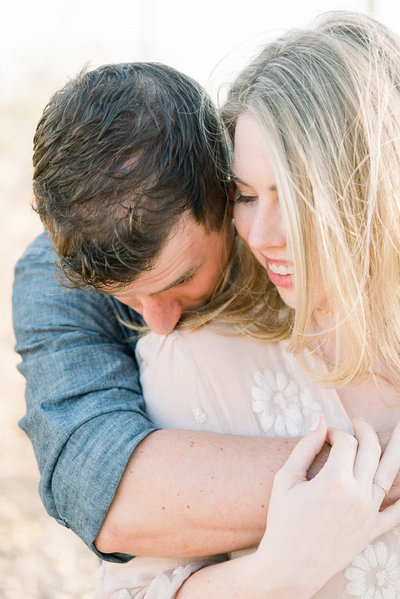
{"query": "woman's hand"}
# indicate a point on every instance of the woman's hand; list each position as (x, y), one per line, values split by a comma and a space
(316, 527)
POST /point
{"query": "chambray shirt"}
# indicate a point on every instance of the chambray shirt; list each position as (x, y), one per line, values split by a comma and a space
(85, 410)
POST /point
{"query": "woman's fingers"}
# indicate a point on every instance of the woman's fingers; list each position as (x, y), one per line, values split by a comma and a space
(368, 453)
(343, 452)
(388, 468)
(341, 457)
(389, 518)
(303, 455)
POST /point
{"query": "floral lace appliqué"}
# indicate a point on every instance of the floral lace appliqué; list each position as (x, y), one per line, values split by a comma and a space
(282, 409)
(199, 415)
(374, 574)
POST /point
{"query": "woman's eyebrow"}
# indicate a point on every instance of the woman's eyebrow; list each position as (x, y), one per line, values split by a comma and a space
(237, 179)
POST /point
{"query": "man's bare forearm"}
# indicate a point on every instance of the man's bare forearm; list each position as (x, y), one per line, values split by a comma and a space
(188, 493)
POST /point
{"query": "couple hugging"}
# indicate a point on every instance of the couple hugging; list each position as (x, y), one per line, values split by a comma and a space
(229, 285)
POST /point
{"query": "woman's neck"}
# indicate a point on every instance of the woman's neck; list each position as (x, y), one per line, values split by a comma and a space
(376, 396)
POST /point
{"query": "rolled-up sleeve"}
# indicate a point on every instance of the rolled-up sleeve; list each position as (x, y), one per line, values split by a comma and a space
(85, 411)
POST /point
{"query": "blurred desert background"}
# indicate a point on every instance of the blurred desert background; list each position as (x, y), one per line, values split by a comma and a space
(42, 45)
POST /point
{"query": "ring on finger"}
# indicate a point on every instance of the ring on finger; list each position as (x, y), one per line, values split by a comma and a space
(375, 482)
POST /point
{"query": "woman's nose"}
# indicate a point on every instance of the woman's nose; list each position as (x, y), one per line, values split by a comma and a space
(267, 228)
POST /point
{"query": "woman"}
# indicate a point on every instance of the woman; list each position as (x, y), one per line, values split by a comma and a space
(315, 119)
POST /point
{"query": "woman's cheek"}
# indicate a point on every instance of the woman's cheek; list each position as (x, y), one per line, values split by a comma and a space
(242, 220)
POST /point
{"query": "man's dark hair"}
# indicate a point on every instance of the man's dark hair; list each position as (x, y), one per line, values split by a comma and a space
(120, 153)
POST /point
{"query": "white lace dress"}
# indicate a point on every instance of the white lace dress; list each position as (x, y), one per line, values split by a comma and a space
(218, 383)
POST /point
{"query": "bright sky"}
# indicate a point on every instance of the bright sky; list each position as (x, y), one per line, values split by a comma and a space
(42, 40)
(45, 42)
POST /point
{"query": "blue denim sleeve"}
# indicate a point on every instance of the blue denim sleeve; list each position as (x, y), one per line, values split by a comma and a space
(85, 411)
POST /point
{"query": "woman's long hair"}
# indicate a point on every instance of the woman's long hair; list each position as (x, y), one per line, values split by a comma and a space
(328, 101)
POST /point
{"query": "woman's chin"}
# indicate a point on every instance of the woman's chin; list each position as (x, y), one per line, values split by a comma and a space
(288, 295)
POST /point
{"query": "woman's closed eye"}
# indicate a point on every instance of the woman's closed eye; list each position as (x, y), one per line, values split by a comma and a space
(240, 198)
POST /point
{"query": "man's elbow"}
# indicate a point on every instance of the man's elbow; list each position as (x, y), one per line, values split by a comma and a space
(114, 538)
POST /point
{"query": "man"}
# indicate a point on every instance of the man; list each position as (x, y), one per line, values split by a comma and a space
(130, 180)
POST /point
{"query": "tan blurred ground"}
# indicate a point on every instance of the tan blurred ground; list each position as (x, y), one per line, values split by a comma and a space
(39, 559)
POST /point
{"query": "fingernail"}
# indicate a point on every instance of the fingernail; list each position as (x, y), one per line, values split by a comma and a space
(362, 418)
(315, 425)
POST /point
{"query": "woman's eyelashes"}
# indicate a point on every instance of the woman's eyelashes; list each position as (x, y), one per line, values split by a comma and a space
(241, 198)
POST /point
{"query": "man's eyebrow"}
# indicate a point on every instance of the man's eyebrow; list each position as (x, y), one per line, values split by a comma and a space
(180, 279)
(237, 179)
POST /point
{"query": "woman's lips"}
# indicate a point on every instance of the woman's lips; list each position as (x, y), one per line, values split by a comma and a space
(279, 272)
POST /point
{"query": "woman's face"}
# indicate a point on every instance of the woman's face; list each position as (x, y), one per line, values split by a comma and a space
(257, 212)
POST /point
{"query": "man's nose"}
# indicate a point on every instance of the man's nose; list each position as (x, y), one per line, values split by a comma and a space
(160, 314)
(267, 228)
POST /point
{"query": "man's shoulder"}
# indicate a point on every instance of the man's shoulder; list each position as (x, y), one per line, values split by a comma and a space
(38, 259)
(36, 269)
(41, 244)
(38, 290)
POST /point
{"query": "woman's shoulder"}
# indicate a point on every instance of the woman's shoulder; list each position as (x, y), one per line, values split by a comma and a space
(209, 342)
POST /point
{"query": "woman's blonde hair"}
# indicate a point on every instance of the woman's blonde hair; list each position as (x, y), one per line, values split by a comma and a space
(328, 100)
